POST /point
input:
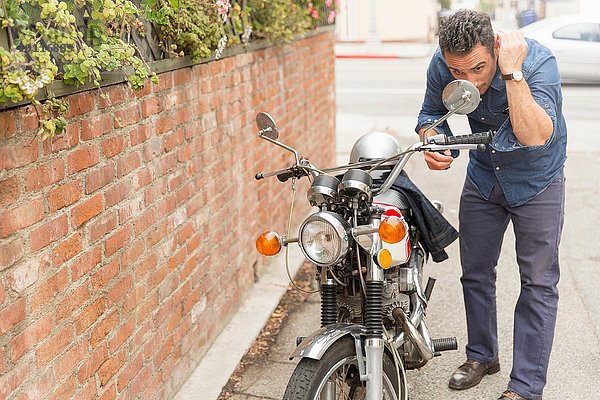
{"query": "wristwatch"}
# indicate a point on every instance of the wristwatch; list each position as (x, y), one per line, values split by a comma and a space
(516, 75)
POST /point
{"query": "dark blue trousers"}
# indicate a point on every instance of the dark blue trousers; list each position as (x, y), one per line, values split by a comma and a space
(537, 226)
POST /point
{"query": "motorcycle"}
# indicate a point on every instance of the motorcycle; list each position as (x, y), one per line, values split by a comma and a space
(368, 242)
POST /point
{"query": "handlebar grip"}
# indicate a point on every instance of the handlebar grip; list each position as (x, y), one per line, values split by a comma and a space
(473, 138)
(283, 177)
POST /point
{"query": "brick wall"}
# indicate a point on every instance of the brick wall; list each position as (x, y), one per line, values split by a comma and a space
(127, 243)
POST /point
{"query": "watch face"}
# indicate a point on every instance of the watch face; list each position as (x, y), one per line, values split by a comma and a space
(517, 75)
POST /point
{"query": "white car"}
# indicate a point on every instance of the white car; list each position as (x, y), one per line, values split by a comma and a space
(575, 41)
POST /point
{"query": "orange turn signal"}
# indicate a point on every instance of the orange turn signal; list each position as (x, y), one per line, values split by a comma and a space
(392, 229)
(384, 258)
(268, 243)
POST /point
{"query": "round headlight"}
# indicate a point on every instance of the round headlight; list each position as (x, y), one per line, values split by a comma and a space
(324, 238)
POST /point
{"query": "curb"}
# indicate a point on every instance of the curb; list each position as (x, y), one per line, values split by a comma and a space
(212, 374)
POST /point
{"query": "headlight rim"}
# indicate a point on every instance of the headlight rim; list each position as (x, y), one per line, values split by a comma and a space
(340, 226)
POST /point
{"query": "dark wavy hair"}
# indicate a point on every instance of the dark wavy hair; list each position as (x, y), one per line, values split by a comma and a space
(461, 31)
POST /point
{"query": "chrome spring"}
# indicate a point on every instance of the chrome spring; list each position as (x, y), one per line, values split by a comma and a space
(374, 308)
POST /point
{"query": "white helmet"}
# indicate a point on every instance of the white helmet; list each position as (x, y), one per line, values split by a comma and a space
(374, 145)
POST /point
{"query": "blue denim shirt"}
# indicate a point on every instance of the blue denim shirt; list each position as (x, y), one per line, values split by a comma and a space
(522, 171)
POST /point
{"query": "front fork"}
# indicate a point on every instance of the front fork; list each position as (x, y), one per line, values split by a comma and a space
(371, 365)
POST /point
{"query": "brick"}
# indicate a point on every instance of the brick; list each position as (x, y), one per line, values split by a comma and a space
(117, 193)
(173, 139)
(140, 381)
(103, 328)
(121, 288)
(132, 209)
(64, 195)
(151, 106)
(148, 264)
(53, 346)
(128, 162)
(67, 249)
(121, 335)
(18, 155)
(132, 254)
(104, 224)
(117, 241)
(99, 178)
(66, 363)
(127, 116)
(110, 366)
(48, 289)
(7, 123)
(41, 387)
(92, 363)
(86, 210)
(82, 158)
(96, 126)
(66, 390)
(177, 259)
(113, 146)
(32, 335)
(81, 103)
(45, 175)
(129, 371)
(140, 134)
(49, 232)
(11, 315)
(11, 252)
(144, 221)
(21, 217)
(90, 315)
(9, 191)
(68, 139)
(27, 273)
(102, 278)
(164, 124)
(112, 96)
(13, 379)
(83, 264)
(2, 298)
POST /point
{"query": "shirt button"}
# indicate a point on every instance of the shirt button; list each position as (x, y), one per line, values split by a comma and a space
(483, 119)
(497, 168)
(493, 151)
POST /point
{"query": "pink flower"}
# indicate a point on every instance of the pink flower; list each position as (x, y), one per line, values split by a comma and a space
(331, 17)
(223, 6)
(328, 3)
(314, 14)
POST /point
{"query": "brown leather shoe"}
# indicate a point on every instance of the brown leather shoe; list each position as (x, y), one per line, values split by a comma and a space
(510, 395)
(470, 373)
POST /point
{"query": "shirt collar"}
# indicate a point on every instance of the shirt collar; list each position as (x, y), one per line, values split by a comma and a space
(497, 83)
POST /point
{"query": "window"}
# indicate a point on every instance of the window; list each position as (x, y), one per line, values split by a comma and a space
(584, 32)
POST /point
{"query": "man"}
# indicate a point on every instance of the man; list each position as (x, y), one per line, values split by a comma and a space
(519, 178)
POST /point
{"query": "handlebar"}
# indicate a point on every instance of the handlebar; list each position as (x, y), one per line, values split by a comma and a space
(472, 141)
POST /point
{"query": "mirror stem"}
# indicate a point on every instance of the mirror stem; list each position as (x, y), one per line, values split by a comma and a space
(288, 148)
(466, 99)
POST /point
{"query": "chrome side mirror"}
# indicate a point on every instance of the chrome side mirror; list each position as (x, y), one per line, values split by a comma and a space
(266, 126)
(461, 97)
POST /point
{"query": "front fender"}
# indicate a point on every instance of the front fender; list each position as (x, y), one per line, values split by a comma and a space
(319, 341)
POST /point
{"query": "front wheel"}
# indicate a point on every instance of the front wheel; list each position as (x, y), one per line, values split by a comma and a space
(335, 376)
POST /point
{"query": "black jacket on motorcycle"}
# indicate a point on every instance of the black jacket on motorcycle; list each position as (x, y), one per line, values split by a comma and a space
(435, 231)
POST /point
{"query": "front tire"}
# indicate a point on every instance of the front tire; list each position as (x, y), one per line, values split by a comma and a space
(336, 376)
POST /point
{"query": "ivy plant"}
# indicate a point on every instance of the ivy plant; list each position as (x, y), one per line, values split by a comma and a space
(76, 40)
(46, 43)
